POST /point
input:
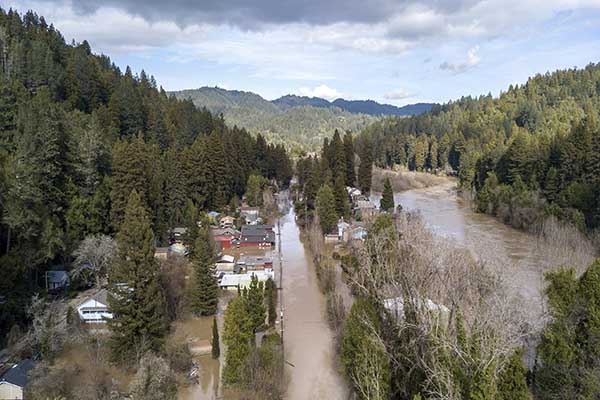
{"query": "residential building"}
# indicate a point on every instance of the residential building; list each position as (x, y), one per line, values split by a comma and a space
(178, 234)
(57, 280)
(233, 281)
(365, 209)
(225, 237)
(254, 263)
(161, 253)
(95, 309)
(227, 222)
(225, 264)
(250, 215)
(257, 236)
(14, 380)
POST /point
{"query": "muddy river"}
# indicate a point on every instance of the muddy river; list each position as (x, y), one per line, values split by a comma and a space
(517, 254)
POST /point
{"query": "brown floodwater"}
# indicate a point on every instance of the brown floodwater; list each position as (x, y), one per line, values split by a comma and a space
(311, 362)
(517, 254)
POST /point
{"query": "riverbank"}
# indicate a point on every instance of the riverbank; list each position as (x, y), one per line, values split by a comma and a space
(405, 180)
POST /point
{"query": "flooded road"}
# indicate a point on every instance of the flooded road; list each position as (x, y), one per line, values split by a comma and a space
(308, 340)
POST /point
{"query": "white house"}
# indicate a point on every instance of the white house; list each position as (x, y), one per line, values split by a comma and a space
(95, 309)
(225, 264)
(395, 306)
(233, 281)
(14, 380)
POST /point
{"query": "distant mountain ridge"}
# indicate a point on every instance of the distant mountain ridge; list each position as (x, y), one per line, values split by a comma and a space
(369, 107)
(297, 121)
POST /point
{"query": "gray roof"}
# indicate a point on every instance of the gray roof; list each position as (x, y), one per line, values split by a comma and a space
(100, 296)
(19, 373)
(258, 234)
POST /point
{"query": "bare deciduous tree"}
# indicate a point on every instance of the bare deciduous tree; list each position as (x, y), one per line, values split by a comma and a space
(93, 259)
(427, 283)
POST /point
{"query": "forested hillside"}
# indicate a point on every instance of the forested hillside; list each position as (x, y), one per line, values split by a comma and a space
(531, 152)
(78, 136)
(301, 127)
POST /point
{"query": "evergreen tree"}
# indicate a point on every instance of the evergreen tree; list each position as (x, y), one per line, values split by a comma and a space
(254, 301)
(349, 158)
(387, 198)
(326, 209)
(512, 384)
(216, 348)
(271, 300)
(363, 355)
(365, 168)
(342, 202)
(254, 190)
(238, 337)
(205, 291)
(136, 300)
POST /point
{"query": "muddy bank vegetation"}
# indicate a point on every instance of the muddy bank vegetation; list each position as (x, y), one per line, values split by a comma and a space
(404, 179)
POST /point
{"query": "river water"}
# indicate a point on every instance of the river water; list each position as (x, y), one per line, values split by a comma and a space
(516, 254)
(311, 366)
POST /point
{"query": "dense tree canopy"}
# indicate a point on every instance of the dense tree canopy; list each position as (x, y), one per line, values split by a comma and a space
(541, 141)
(78, 135)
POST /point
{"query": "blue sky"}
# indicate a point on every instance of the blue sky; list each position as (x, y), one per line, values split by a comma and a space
(393, 51)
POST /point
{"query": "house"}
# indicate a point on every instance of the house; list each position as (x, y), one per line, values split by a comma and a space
(57, 280)
(95, 309)
(332, 238)
(254, 263)
(227, 222)
(357, 232)
(225, 237)
(395, 306)
(233, 281)
(250, 215)
(365, 209)
(177, 249)
(225, 264)
(14, 380)
(342, 226)
(161, 253)
(178, 234)
(257, 236)
(354, 194)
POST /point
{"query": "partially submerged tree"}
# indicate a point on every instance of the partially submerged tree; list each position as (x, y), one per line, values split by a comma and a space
(450, 326)
(153, 380)
(216, 347)
(204, 297)
(238, 336)
(136, 300)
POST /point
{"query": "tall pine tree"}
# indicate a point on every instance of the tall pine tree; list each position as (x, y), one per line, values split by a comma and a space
(136, 300)
(365, 168)
(326, 209)
(205, 291)
(387, 198)
(349, 158)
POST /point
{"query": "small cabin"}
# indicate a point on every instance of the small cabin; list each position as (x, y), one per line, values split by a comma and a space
(95, 309)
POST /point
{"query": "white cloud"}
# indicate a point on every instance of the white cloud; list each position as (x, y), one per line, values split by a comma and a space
(398, 94)
(322, 91)
(472, 60)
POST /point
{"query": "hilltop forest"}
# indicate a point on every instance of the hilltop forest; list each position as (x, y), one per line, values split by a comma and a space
(533, 151)
(78, 135)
